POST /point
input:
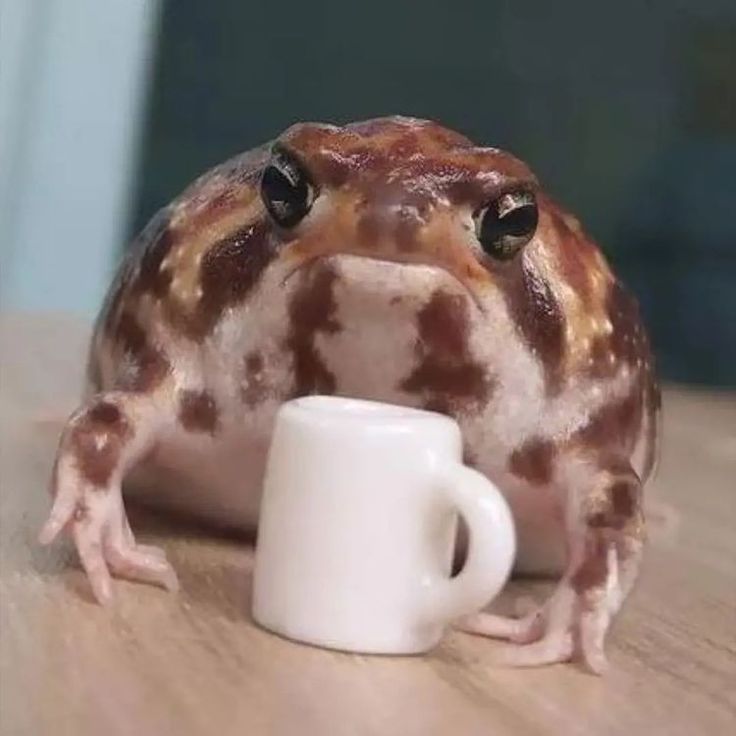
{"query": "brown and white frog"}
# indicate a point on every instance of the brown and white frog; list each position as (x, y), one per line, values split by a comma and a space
(392, 260)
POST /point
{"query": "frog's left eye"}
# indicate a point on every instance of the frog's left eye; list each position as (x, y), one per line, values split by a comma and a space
(286, 189)
(507, 224)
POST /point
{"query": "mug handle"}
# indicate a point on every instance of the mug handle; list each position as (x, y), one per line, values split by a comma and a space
(491, 545)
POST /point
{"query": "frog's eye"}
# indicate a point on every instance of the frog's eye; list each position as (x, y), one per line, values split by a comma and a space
(286, 188)
(507, 224)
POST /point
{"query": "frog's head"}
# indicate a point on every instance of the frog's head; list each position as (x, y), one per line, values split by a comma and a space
(402, 244)
(399, 190)
(402, 261)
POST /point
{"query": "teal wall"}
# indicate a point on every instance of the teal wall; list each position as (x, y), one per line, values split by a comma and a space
(626, 111)
(72, 89)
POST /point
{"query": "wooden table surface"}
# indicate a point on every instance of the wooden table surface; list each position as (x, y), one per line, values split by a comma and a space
(194, 663)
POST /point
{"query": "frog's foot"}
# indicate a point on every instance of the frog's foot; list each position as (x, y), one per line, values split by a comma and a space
(606, 543)
(573, 623)
(144, 563)
(522, 630)
(98, 443)
(105, 543)
(546, 636)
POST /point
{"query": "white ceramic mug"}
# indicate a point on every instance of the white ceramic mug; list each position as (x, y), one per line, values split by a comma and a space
(357, 528)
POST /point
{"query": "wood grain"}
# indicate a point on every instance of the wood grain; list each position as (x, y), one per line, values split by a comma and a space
(195, 664)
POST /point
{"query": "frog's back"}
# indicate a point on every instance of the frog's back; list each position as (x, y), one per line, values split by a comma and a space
(605, 339)
(158, 284)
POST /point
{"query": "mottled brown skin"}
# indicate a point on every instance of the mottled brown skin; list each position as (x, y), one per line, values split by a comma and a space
(383, 291)
(539, 318)
(533, 461)
(148, 366)
(312, 311)
(198, 411)
(446, 375)
(97, 437)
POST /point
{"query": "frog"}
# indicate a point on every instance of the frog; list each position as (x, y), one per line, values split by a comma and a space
(390, 260)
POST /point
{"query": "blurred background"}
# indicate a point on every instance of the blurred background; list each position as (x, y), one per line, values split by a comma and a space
(626, 111)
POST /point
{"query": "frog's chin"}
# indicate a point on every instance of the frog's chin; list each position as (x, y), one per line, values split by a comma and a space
(396, 277)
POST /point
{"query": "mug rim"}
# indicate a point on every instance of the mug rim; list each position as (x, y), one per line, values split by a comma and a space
(321, 407)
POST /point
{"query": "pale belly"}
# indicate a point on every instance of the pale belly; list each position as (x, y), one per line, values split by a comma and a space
(219, 483)
(216, 480)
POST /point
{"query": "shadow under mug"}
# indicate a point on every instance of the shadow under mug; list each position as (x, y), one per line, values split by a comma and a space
(357, 528)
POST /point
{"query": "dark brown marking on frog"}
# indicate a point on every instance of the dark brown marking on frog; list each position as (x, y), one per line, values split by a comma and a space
(254, 363)
(622, 503)
(97, 437)
(148, 366)
(615, 425)
(230, 269)
(537, 315)
(105, 413)
(198, 411)
(446, 376)
(254, 390)
(593, 569)
(311, 312)
(575, 253)
(155, 243)
(533, 461)
(623, 498)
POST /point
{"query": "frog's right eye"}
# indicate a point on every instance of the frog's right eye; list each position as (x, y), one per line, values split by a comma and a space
(286, 189)
(507, 224)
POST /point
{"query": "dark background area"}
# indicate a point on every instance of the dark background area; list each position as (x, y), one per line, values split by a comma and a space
(626, 111)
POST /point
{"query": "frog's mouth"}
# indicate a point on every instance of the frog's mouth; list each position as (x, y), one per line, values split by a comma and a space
(394, 275)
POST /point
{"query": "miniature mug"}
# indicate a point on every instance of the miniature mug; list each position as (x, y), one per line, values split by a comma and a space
(357, 528)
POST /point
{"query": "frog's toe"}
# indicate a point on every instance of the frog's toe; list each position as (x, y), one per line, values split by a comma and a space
(594, 623)
(553, 648)
(519, 630)
(149, 549)
(143, 564)
(88, 529)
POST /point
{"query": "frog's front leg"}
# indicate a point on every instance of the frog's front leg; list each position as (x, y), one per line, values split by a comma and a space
(100, 443)
(605, 523)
